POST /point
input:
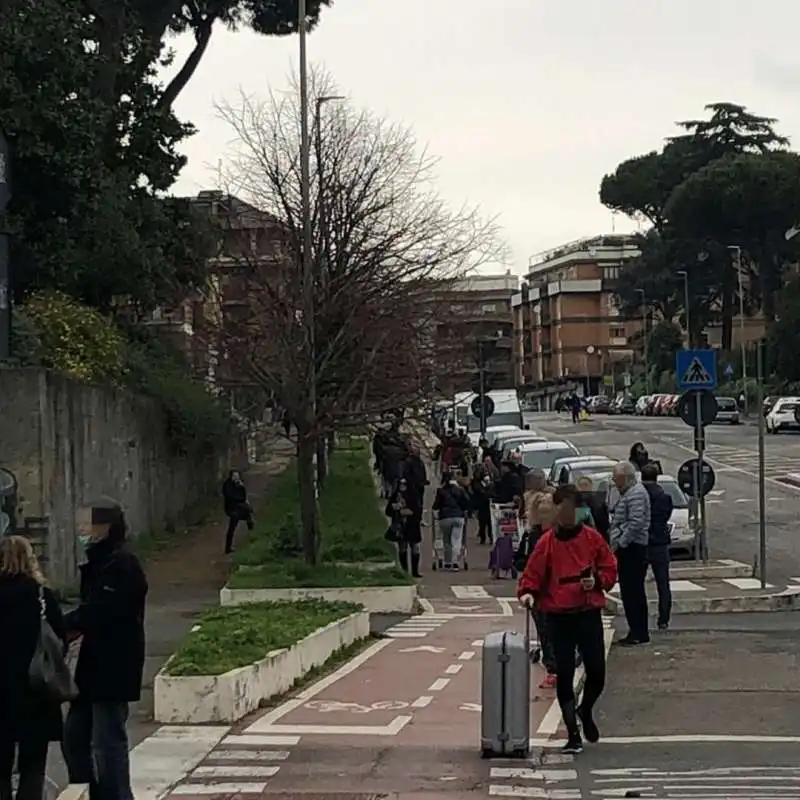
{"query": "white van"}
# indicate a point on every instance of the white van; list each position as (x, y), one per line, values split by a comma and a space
(507, 410)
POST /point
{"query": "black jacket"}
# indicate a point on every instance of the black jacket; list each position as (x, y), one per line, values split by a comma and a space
(415, 473)
(24, 715)
(660, 512)
(234, 497)
(111, 619)
(409, 527)
(597, 505)
(508, 487)
(451, 501)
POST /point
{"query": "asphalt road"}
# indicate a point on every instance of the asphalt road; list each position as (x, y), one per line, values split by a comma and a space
(732, 450)
(696, 713)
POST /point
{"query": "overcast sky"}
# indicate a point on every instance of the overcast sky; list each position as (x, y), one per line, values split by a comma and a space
(527, 108)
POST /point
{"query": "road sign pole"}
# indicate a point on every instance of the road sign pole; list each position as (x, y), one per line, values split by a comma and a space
(762, 500)
(482, 393)
(700, 501)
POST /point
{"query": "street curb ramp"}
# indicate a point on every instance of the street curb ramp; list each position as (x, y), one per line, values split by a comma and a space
(787, 600)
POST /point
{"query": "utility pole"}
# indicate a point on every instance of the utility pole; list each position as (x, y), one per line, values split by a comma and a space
(737, 254)
(5, 279)
(645, 342)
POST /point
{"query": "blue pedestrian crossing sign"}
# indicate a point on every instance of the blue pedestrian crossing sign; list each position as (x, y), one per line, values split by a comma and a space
(696, 369)
(729, 371)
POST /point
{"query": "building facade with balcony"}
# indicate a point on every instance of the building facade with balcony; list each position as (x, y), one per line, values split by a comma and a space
(473, 311)
(568, 331)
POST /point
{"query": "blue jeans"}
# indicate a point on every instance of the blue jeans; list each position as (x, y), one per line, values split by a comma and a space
(96, 749)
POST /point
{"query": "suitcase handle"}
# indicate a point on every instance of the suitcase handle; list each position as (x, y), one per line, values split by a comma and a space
(528, 627)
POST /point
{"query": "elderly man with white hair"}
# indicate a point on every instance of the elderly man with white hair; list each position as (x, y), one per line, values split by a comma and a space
(629, 533)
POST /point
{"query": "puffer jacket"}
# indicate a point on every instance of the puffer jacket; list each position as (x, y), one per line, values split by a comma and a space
(630, 522)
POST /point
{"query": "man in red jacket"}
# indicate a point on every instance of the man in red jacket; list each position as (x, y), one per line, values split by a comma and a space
(566, 577)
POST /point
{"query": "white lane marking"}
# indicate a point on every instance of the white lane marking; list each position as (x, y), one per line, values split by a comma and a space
(438, 684)
(258, 740)
(677, 739)
(248, 755)
(743, 500)
(686, 586)
(423, 648)
(221, 789)
(454, 669)
(467, 655)
(746, 583)
(477, 643)
(423, 701)
(407, 634)
(534, 791)
(392, 729)
(470, 592)
(528, 774)
(235, 772)
(263, 724)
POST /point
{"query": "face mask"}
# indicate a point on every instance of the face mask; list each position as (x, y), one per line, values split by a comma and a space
(84, 540)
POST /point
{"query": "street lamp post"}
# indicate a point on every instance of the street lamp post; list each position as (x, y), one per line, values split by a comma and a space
(685, 275)
(323, 215)
(645, 342)
(5, 283)
(737, 254)
(589, 351)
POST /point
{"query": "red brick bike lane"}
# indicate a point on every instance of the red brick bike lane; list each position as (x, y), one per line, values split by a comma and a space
(402, 719)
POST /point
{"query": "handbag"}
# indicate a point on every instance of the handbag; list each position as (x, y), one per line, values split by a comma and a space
(48, 673)
(394, 531)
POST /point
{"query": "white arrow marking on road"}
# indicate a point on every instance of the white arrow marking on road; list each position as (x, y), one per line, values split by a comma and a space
(717, 492)
(470, 707)
(423, 648)
(465, 608)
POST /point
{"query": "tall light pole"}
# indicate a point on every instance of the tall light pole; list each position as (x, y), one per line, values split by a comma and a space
(685, 275)
(305, 213)
(323, 216)
(737, 254)
(5, 282)
(645, 342)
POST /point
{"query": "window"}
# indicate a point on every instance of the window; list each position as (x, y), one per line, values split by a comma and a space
(611, 273)
(488, 308)
(617, 333)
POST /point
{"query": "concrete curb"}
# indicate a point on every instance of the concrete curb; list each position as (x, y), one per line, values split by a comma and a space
(75, 791)
(792, 478)
(787, 600)
(375, 599)
(192, 700)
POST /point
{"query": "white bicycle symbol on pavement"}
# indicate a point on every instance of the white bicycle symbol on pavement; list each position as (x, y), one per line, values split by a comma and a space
(328, 706)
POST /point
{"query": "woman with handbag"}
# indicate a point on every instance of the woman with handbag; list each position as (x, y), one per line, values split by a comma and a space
(30, 706)
(404, 509)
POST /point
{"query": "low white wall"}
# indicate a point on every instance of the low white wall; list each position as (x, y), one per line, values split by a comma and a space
(375, 599)
(227, 698)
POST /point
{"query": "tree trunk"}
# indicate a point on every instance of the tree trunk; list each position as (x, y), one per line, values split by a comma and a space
(322, 462)
(306, 479)
(727, 310)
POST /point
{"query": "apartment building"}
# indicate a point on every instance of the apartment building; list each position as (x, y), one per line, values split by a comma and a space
(200, 326)
(475, 312)
(568, 331)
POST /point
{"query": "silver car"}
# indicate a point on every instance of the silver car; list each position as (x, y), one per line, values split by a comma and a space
(727, 411)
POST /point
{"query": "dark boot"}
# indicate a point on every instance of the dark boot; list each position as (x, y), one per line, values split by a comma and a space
(415, 565)
(402, 557)
(574, 742)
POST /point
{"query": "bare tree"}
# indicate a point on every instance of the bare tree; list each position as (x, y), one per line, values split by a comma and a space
(383, 242)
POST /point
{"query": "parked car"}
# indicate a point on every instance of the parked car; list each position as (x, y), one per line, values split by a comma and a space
(541, 455)
(782, 416)
(597, 468)
(599, 405)
(727, 411)
(768, 404)
(642, 404)
(681, 528)
(625, 405)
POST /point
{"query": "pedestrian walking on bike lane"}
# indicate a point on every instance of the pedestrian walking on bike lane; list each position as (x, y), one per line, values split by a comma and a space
(629, 535)
(451, 506)
(29, 721)
(658, 541)
(567, 576)
(404, 509)
(110, 623)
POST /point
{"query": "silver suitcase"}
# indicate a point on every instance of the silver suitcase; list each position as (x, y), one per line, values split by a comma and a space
(506, 693)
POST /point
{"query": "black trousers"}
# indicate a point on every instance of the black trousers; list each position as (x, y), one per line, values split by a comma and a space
(233, 523)
(545, 641)
(484, 521)
(581, 631)
(658, 561)
(632, 565)
(31, 767)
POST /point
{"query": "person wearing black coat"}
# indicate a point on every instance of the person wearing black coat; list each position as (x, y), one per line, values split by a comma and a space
(237, 509)
(510, 487)
(110, 620)
(658, 541)
(28, 722)
(415, 473)
(404, 509)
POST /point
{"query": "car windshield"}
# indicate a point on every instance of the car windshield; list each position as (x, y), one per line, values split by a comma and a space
(594, 473)
(679, 499)
(543, 459)
(513, 443)
(726, 404)
(786, 407)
